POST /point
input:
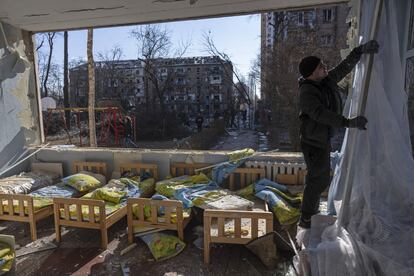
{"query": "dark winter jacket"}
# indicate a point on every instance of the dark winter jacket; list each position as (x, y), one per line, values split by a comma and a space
(320, 104)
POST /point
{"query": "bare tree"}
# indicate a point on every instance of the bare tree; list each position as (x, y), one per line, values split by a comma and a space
(211, 49)
(109, 73)
(50, 74)
(154, 42)
(115, 53)
(154, 46)
(40, 40)
(65, 77)
(240, 85)
(279, 76)
(91, 97)
(50, 40)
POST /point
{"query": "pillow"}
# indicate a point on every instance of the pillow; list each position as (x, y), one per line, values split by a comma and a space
(108, 195)
(116, 184)
(7, 257)
(147, 187)
(163, 246)
(199, 178)
(246, 192)
(82, 182)
(98, 176)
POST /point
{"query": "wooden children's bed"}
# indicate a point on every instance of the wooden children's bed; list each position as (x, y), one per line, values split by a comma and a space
(23, 205)
(98, 220)
(234, 226)
(170, 207)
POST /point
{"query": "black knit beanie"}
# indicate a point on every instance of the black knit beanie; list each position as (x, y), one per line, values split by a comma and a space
(307, 65)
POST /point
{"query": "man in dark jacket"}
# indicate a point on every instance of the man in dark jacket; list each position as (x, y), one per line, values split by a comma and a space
(320, 113)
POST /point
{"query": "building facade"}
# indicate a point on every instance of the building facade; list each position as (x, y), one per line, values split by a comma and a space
(117, 80)
(195, 84)
(323, 30)
(184, 85)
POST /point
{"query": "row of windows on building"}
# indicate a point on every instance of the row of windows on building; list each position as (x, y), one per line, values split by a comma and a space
(300, 18)
(193, 98)
(189, 69)
(140, 72)
(309, 17)
(116, 82)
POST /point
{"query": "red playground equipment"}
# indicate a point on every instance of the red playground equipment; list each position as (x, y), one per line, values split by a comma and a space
(114, 128)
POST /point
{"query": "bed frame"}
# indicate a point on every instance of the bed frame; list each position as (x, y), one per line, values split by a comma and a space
(179, 168)
(240, 178)
(32, 216)
(140, 168)
(95, 167)
(243, 177)
(170, 206)
(101, 222)
(164, 223)
(221, 216)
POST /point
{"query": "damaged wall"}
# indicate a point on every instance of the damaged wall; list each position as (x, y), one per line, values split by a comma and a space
(19, 116)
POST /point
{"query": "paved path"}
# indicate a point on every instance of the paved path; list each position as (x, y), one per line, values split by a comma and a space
(237, 139)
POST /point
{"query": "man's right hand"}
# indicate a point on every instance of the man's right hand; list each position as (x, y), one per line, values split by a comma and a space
(357, 122)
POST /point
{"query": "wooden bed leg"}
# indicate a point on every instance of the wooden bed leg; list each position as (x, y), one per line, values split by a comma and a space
(130, 234)
(130, 223)
(207, 227)
(56, 212)
(180, 231)
(104, 237)
(33, 231)
(57, 231)
(206, 251)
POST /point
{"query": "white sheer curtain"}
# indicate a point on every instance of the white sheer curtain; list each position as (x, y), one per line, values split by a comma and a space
(379, 237)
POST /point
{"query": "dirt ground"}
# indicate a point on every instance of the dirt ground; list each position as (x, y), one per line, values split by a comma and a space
(79, 254)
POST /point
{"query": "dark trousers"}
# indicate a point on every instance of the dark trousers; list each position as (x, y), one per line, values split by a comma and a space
(318, 178)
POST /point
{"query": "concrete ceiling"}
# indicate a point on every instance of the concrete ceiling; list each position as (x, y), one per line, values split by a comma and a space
(57, 15)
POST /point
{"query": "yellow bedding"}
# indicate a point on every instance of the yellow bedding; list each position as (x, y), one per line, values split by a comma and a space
(113, 194)
(109, 209)
(7, 256)
(168, 187)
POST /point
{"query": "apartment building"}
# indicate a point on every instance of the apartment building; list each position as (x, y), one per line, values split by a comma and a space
(185, 85)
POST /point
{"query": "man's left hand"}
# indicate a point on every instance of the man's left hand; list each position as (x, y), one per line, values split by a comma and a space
(371, 47)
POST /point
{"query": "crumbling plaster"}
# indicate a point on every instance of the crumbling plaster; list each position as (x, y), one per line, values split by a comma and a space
(19, 116)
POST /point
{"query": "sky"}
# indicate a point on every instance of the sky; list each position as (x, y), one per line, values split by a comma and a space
(237, 36)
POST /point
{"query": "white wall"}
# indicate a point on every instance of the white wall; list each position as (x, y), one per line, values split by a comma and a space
(163, 158)
(19, 123)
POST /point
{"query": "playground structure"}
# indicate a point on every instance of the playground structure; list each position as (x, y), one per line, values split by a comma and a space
(112, 124)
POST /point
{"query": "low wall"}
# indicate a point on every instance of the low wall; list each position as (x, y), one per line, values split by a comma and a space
(163, 158)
